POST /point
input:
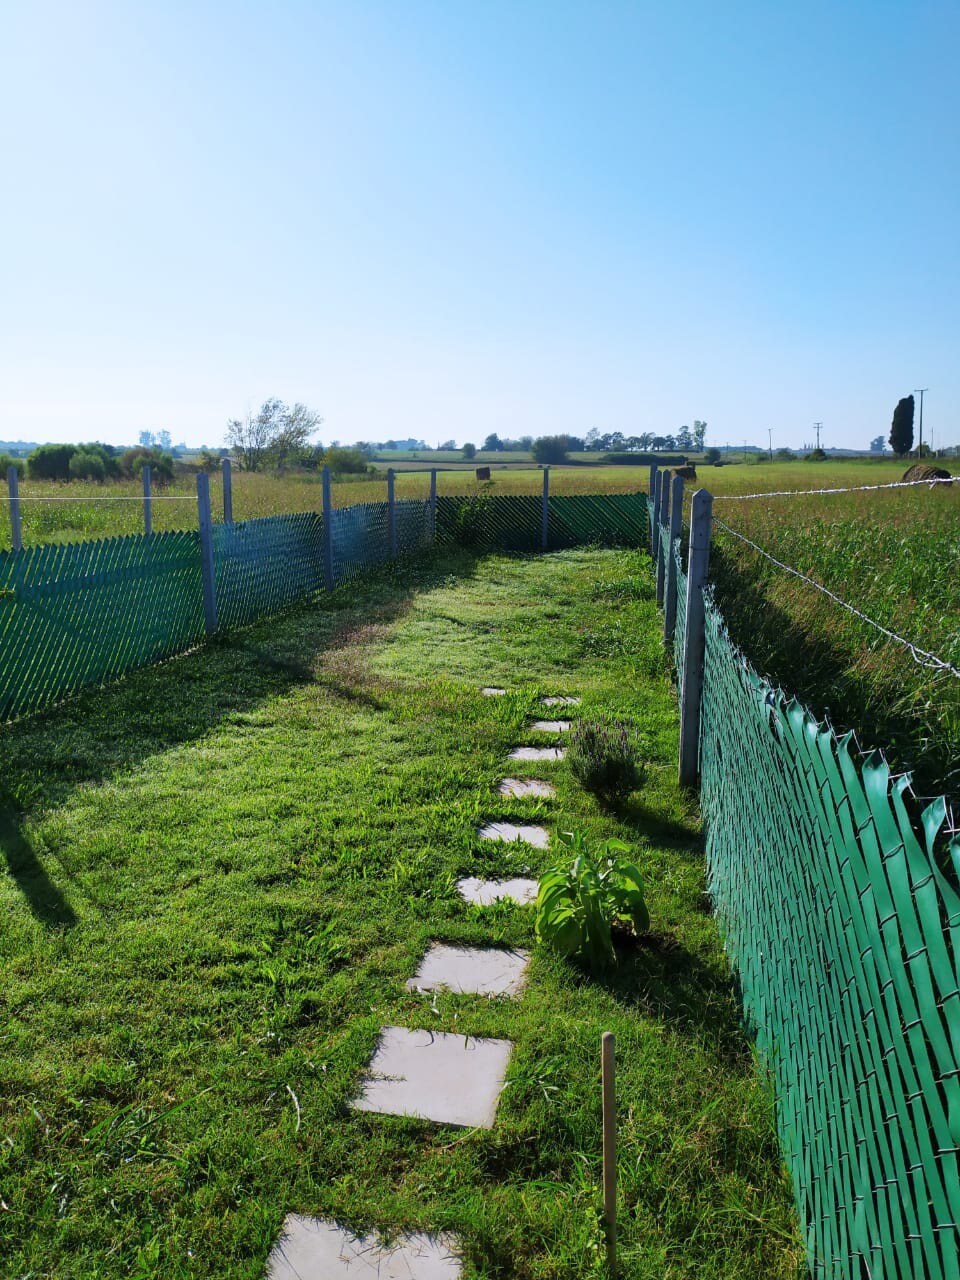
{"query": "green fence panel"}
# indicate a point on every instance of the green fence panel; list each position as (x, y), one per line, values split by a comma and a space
(611, 519)
(360, 538)
(80, 614)
(514, 522)
(843, 929)
(262, 566)
(414, 528)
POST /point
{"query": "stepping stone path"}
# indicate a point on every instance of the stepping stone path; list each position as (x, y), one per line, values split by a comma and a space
(485, 892)
(517, 789)
(537, 753)
(432, 1075)
(311, 1249)
(483, 971)
(539, 837)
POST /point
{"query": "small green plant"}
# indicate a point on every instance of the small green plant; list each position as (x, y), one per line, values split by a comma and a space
(579, 902)
(603, 757)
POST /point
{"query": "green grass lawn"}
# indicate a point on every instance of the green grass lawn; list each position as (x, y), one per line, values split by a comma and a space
(219, 875)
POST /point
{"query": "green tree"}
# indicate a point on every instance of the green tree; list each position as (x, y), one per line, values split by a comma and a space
(469, 450)
(51, 462)
(901, 429)
(274, 435)
(86, 465)
(7, 461)
(493, 443)
(551, 450)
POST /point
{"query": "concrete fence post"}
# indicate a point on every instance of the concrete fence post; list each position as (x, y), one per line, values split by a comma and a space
(691, 695)
(227, 491)
(676, 524)
(545, 511)
(327, 531)
(433, 504)
(206, 554)
(391, 513)
(13, 489)
(663, 506)
(654, 472)
(147, 501)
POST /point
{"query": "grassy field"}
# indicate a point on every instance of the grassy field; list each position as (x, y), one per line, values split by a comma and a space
(223, 871)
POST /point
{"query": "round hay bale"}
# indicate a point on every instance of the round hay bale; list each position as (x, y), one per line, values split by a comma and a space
(689, 472)
(923, 471)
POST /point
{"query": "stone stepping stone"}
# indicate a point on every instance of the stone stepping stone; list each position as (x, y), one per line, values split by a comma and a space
(517, 788)
(490, 692)
(551, 726)
(312, 1249)
(539, 837)
(432, 1075)
(485, 892)
(537, 753)
(560, 702)
(482, 971)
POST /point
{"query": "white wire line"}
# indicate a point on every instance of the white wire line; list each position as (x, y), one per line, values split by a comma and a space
(857, 488)
(920, 656)
(154, 497)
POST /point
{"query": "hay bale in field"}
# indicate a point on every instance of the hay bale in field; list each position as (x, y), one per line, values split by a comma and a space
(483, 473)
(923, 471)
(689, 472)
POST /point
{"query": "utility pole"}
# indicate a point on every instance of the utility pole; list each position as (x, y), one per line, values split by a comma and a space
(918, 391)
(770, 435)
(818, 425)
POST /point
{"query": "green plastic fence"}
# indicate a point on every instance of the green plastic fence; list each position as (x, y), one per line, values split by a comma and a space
(261, 566)
(85, 613)
(514, 522)
(843, 929)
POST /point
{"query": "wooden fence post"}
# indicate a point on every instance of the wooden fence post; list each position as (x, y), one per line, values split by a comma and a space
(13, 488)
(663, 505)
(227, 491)
(206, 554)
(327, 531)
(433, 504)
(147, 501)
(391, 514)
(545, 511)
(676, 524)
(691, 695)
(654, 472)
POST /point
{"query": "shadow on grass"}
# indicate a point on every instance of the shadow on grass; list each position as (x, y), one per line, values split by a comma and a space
(101, 732)
(42, 896)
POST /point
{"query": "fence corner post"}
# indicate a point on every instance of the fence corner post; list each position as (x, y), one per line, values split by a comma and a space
(545, 511)
(663, 503)
(391, 513)
(147, 501)
(691, 695)
(676, 524)
(433, 503)
(652, 506)
(13, 489)
(227, 491)
(206, 554)
(327, 531)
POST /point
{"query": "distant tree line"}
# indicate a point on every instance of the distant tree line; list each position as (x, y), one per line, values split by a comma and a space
(96, 461)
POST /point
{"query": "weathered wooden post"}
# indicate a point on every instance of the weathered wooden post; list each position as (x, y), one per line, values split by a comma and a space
(663, 505)
(433, 504)
(147, 500)
(327, 531)
(607, 1062)
(676, 524)
(227, 491)
(651, 503)
(691, 696)
(206, 554)
(391, 514)
(545, 511)
(13, 489)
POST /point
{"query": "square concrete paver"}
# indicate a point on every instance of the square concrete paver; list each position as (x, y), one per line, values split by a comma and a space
(560, 702)
(491, 692)
(451, 1079)
(538, 753)
(551, 726)
(311, 1249)
(518, 789)
(539, 837)
(485, 892)
(484, 971)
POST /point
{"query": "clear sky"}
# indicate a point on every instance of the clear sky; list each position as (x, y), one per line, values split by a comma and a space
(445, 219)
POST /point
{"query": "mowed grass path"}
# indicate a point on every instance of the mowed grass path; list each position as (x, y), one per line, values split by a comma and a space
(219, 875)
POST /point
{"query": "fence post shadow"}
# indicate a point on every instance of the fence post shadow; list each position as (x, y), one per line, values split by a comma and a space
(44, 899)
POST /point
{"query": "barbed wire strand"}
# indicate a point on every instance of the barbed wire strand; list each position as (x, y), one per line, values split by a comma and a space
(857, 488)
(154, 497)
(920, 656)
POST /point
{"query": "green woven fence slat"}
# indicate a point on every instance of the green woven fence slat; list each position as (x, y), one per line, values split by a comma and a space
(844, 931)
(514, 522)
(414, 528)
(262, 566)
(610, 519)
(360, 537)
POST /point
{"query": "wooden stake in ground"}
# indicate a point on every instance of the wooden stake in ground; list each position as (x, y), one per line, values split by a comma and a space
(609, 1149)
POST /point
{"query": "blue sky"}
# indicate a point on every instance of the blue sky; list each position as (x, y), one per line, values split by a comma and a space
(445, 219)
